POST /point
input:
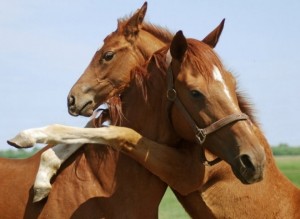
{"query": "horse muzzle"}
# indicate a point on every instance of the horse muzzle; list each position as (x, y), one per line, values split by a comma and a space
(83, 108)
(247, 170)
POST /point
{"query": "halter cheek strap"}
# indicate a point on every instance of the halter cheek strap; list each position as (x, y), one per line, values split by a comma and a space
(200, 133)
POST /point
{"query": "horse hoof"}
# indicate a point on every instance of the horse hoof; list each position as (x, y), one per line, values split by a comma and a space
(41, 193)
(21, 141)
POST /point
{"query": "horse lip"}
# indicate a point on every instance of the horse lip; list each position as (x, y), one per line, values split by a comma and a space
(82, 111)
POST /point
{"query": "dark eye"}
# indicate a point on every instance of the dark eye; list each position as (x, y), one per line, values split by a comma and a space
(108, 56)
(196, 94)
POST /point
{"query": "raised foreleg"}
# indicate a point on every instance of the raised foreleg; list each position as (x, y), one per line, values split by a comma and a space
(59, 134)
(180, 168)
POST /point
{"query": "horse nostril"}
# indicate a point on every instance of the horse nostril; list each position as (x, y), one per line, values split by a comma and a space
(246, 162)
(71, 100)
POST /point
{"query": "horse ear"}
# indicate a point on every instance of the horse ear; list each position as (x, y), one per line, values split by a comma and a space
(133, 24)
(213, 38)
(178, 46)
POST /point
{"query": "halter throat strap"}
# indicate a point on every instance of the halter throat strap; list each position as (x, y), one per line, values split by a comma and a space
(200, 133)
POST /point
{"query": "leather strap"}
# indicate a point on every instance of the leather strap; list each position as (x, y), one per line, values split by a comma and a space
(221, 123)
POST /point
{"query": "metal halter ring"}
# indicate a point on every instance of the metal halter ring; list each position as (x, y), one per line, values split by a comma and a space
(171, 94)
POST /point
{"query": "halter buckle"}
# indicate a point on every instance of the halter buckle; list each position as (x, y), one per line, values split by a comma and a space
(171, 94)
(201, 136)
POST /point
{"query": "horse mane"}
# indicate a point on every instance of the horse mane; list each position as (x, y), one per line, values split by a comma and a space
(156, 30)
(247, 107)
(114, 106)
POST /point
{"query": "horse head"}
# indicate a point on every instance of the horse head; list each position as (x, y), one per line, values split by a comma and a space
(206, 107)
(109, 71)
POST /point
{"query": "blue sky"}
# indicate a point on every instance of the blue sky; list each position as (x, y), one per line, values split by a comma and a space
(46, 45)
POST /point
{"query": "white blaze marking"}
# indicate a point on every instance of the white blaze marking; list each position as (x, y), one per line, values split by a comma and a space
(218, 77)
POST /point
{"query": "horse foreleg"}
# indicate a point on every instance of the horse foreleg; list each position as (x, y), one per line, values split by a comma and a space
(50, 162)
(179, 167)
(60, 134)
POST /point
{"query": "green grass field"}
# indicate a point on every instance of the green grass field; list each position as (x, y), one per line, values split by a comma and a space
(290, 166)
(170, 208)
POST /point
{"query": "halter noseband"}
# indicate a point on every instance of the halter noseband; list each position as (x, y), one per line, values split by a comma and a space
(200, 134)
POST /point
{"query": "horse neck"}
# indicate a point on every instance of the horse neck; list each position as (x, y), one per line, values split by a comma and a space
(147, 43)
(272, 172)
(146, 108)
(274, 195)
(153, 111)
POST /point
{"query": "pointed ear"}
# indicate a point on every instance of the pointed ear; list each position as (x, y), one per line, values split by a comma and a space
(133, 24)
(178, 46)
(213, 38)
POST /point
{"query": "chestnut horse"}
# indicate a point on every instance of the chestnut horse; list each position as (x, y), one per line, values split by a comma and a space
(210, 100)
(95, 182)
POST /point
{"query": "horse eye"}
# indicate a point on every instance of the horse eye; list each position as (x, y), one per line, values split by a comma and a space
(108, 56)
(196, 94)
